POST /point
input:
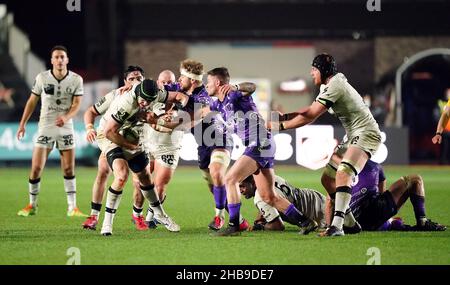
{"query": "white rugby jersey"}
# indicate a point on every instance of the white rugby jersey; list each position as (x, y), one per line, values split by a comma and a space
(310, 202)
(102, 105)
(125, 110)
(56, 95)
(154, 137)
(345, 102)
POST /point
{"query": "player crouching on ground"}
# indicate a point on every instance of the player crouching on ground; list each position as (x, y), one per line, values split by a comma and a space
(373, 206)
(310, 202)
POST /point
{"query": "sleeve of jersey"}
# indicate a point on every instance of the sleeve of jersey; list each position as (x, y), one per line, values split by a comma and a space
(235, 95)
(79, 88)
(103, 103)
(37, 86)
(268, 212)
(121, 111)
(329, 95)
(172, 87)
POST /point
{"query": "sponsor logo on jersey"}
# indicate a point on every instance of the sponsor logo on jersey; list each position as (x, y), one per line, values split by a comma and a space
(49, 89)
(57, 108)
(121, 115)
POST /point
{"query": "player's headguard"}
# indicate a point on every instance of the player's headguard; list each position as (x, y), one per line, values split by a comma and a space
(326, 64)
(147, 90)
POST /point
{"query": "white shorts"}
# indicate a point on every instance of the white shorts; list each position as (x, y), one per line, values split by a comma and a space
(166, 156)
(368, 142)
(62, 136)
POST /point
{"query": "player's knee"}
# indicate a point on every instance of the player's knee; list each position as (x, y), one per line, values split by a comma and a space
(102, 174)
(416, 179)
(121, 178)
(416, 183)
(231, 179)
(36, 172)
(217, 176)
(268, 198)
(103, 170)
(160, 186)
(346, 171)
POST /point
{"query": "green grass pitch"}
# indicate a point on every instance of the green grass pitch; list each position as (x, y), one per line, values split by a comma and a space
(46, 237)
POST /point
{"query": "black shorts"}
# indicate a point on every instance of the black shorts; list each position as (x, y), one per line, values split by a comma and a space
(375, 210)
(136, 164)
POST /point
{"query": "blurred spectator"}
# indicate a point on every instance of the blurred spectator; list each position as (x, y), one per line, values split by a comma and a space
(6, 97)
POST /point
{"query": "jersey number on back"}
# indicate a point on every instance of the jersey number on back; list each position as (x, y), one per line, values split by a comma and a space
(284, 188)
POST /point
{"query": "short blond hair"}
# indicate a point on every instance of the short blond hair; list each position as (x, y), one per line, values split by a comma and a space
(192, 66)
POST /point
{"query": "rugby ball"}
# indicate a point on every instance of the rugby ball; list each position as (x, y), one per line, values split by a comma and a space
(130, 135)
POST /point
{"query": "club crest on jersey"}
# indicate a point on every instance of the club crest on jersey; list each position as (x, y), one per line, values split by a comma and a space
(69, 90)
(49, 89)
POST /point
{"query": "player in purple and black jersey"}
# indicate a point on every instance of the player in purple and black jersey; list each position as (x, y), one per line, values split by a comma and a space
(214, 147)
(373, 206)
(241, 116)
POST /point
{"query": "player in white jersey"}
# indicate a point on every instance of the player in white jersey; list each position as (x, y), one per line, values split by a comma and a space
(132, 75)
(362, 130)
(60, 91)
(119, 137)
(163, 148)
(310, 202)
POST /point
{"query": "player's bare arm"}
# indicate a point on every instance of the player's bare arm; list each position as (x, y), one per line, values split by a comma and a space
(246, 88)
(177, 98)
(261, 224)
(89, 119)
(112, 134)
(443, 120)
(76, 102)
(289, 116)
(303, 117)
(275, 225)
(29, 108)
(382, 186)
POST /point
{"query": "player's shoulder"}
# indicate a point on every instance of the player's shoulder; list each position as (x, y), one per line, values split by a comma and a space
(74, 76)
(337, 81)
(113, 93)
(127, 100)
(44, 74)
